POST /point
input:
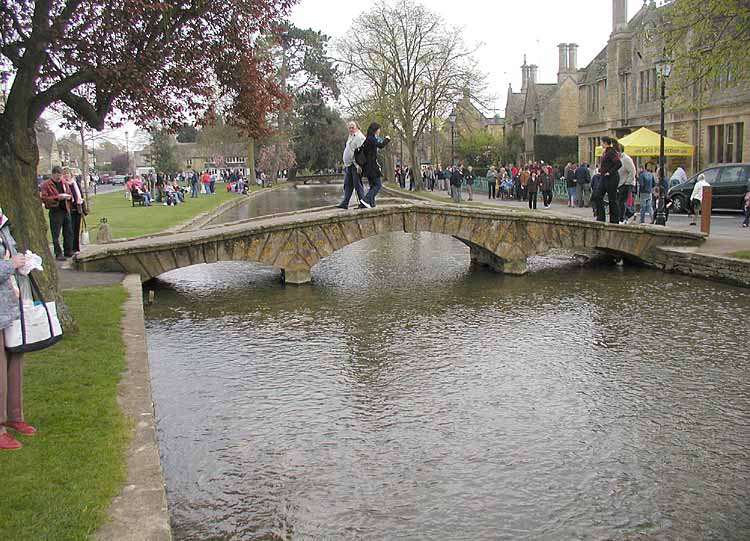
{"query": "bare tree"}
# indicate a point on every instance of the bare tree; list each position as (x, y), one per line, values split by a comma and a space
(407, 62)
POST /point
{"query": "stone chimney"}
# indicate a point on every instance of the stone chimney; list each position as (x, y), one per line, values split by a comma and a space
(532, 74)
(563, 64)
(524, 75)
(619, 16)
(572, 57)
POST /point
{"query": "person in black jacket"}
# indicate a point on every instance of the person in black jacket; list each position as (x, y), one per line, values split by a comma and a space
(371, 169)
(608, 169)
(583, 181)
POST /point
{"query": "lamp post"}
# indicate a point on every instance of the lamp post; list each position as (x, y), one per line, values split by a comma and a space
(452, 120)
(664, 69)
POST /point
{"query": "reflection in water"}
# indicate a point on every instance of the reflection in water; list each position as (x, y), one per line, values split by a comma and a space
(407, 395)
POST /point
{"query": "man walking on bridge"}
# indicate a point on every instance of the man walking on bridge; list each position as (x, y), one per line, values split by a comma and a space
(352, 179)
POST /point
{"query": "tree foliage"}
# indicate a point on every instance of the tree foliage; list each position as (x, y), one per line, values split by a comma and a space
(480, 149)
(320, 134)
(707, 41)
(187, 134)
(145, 59)
(162, 151)
(406, 61)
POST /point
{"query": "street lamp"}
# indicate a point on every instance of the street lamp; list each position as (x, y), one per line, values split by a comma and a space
(664, 69)
(452, 120)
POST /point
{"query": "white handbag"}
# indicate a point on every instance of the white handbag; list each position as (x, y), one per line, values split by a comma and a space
(38, 327)
(84, 232)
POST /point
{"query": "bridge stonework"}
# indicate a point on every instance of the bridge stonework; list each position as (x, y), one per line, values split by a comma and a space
(294, 242)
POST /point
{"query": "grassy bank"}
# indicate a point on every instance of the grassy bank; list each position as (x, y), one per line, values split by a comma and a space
(62, 481)
(128, 221)
(742, 254)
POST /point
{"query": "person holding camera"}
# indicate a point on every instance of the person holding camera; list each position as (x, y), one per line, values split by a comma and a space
(57, 198)
(371, 170)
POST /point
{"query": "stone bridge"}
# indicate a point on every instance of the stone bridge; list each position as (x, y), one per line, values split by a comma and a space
(294, 242)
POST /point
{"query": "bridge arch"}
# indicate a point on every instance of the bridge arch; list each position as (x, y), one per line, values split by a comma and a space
(295, 242)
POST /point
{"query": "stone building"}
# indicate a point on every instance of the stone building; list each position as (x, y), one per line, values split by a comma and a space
(544, 108)
(225, 156)
(620, 91)
(49, 154)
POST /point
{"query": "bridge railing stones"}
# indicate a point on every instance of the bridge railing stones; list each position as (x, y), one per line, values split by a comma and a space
(294, 242)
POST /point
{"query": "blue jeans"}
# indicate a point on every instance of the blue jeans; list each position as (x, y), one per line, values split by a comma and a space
(375, 185)
(194, 190)
(352, 182)
(646, 207)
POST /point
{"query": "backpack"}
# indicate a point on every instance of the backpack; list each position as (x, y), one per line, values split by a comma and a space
(359, 156)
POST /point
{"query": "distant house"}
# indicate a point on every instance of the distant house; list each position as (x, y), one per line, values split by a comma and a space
(217, 158)
(49, 154)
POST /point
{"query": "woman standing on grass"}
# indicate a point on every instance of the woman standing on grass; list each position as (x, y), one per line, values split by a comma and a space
(11, 364)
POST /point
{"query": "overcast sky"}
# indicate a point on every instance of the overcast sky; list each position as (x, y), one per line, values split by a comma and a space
(507, 29)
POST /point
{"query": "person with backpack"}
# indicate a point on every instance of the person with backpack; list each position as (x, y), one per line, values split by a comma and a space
(371, 169)
(352, 170)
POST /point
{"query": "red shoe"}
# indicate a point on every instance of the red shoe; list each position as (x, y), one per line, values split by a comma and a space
(9, 442)
(21, 427)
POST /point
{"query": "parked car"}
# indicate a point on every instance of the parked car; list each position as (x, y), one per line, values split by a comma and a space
(117, 179)
(730, 182)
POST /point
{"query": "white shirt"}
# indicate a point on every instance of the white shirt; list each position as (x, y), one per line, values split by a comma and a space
(355, 141)
(680, 175)
(627, 171)
(698, 190)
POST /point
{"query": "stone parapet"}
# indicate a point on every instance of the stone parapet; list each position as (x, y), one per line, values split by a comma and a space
(708, 266)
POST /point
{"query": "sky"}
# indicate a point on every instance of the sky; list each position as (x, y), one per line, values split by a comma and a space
(506, 30)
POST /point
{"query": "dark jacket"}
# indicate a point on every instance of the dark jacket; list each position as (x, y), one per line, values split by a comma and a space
(611, 163)
(533, 185)
(583, 175)
(570, 177)
(457, 177)
(469, 178)
(546, 181)
(370, 147)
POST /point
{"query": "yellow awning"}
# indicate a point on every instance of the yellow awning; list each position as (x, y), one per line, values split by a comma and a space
(644, 142)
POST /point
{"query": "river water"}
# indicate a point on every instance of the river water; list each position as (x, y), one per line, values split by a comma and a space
(407, 395)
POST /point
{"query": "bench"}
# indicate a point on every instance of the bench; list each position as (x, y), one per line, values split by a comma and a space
(137, 197)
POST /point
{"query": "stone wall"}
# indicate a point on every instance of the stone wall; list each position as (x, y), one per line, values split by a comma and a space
(712, 267)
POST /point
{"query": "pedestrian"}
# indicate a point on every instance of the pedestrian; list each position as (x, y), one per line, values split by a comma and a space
(546, 183)
(524, 177)
(608, 169)
(597, 193)
(194, 185)
(352, 172)
(583, 184)
(626, 184)
(532, 188)
(646, 183)
(409, 175)
(570, 183)
(492, 183)
(746, 208)
(371, 170)
(469, 178)
(696, 198)
(77, 209)
(11, 364)
(56, 196)
(456, 179)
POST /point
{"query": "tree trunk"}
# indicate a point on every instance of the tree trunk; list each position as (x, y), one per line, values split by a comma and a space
(411, 142)
(19, 197)
(251, 161)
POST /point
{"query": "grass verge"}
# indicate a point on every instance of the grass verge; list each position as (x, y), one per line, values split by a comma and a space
(60, 484)
(128, 221)
(742, 254)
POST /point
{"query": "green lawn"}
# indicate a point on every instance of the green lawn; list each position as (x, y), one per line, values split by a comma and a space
(742, 254)
(62, 481)
(128, 221)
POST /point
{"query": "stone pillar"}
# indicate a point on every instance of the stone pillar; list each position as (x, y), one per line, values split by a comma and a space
(296, 276)
(532, 74)
(483, 257)
(563, 64)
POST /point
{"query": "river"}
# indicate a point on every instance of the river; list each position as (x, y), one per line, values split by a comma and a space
(407, 395)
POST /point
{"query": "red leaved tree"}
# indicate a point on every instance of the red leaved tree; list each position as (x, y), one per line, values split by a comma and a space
(143, 60)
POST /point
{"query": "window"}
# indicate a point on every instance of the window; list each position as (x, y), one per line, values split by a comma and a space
(725, 142)
(735, 173)
(594, 142)
(189, 162)
(711, 175)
